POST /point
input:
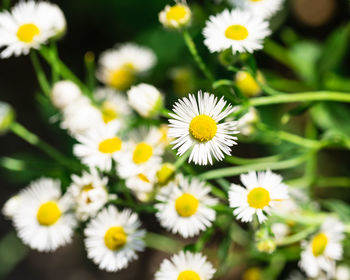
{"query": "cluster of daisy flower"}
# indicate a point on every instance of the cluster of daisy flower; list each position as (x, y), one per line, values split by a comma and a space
(127, 158)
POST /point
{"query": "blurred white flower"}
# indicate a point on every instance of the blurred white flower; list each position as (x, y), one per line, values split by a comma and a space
(64, 94)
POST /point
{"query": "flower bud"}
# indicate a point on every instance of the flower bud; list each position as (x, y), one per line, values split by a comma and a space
(247, 84)
(64, 93)
(176, 16)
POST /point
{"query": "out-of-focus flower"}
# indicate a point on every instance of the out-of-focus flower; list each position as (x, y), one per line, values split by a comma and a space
(342, 272)
(247, 84)
(113, 238)
(7, 117)
(184, 207)
(11, 206)
(183, 80)
(239, 30)
(246, 124)
(165, 173)
(65, 93)
(185, 266)
(176, 16)
(260, 8)
(146, 100)
(252, 273)
(43, 220)
(28, 25)
(262, 190)
(195, 124)
(280, 231)
(118, 67)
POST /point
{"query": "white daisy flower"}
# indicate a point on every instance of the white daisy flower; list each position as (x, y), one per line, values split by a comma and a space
(113, 238)
(185, 266)
(7, 116)
(11, 206)
(99, 147)
(28, 25)
(261, 192)
(176, 16)
(145, 99)
(118, 67)
(195, 124)
(143, 150)
(43, 220)
(89, 192)
(260, 8)
(184, 207)
(236, 29)
(324, 249)
(65, 93)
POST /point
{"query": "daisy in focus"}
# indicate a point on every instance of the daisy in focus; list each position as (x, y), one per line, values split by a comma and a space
(185, 266)
(113, 238)
(261, 8)
(324, 249)
(195, 125)
(259, 195)
(184, 207)
(43, 220)
(119, 67)
(239, 30)
(28, 25)
(176, 16)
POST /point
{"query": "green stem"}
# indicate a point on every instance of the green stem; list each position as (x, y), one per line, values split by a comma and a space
(193, 50)
(44, 84)
(162, 243)
(244, 161)
(182, 159)
(278, 52)
(302, 235)
(332, 182)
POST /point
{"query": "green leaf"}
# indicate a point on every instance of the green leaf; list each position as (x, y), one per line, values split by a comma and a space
(339, 207)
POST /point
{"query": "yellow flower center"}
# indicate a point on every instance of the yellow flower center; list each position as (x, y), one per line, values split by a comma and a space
(110, 146)
(255, 0)
(109, 112)
(253, 273)
(142, 153)
(186, 205)
(27, 32)
(236, 32)
(122, 78)
(165, 173)
(176, 12)
(188, 275)
(319, 244)
(203, 128)
(115, 238)
(258, 198)
(48, 213)
(143, 177)
(87, 188)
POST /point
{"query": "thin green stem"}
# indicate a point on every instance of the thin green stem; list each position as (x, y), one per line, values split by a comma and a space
(182, 159)
(44, 84)
(162, 243)
(333, 182)
(302, 235)
(277, 52)
(244, 161)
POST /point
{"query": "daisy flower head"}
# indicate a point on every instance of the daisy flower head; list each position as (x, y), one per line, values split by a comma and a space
(11, 206)
(261, 8)
(259, 195)
(65, 93)
(99, 147)
(239, 30)
(89, 192)
(185, 266)
(325, 248)
(176, 16)
(113, 238)
(118, 67)
(184, 207)
(7, 116)
(145, 99)
(28, 25)
(43, 220)
(196, 124)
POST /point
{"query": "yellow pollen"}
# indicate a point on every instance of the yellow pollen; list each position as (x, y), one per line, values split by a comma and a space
(48, 213)
(203, 128)
(27, 32)
(109, 112)
(115, 238)
(319, 244)
(143, 177)
(188, 275)
(110, 146)
(176, 12)
(142, 153)
(258, 198)
(122, 78)
(236, 32)
(186, 205)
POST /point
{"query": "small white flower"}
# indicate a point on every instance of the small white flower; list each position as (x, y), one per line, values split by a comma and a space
(118, 67)
(65, 93)
(184, 207)
(325, 248)
(99, 147)
(28, 25)
(89, 192)
(176, 16)
(43, 220)
(246, 123)
(280, 231)
(113, 238)
(145, 99)
(261, 192)
(195, 124)
(239, 30)
(260, 8)
(7, 116)
(185, 266)
(11, 206)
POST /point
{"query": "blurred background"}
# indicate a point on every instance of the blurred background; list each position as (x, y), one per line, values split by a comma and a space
(304, 27)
